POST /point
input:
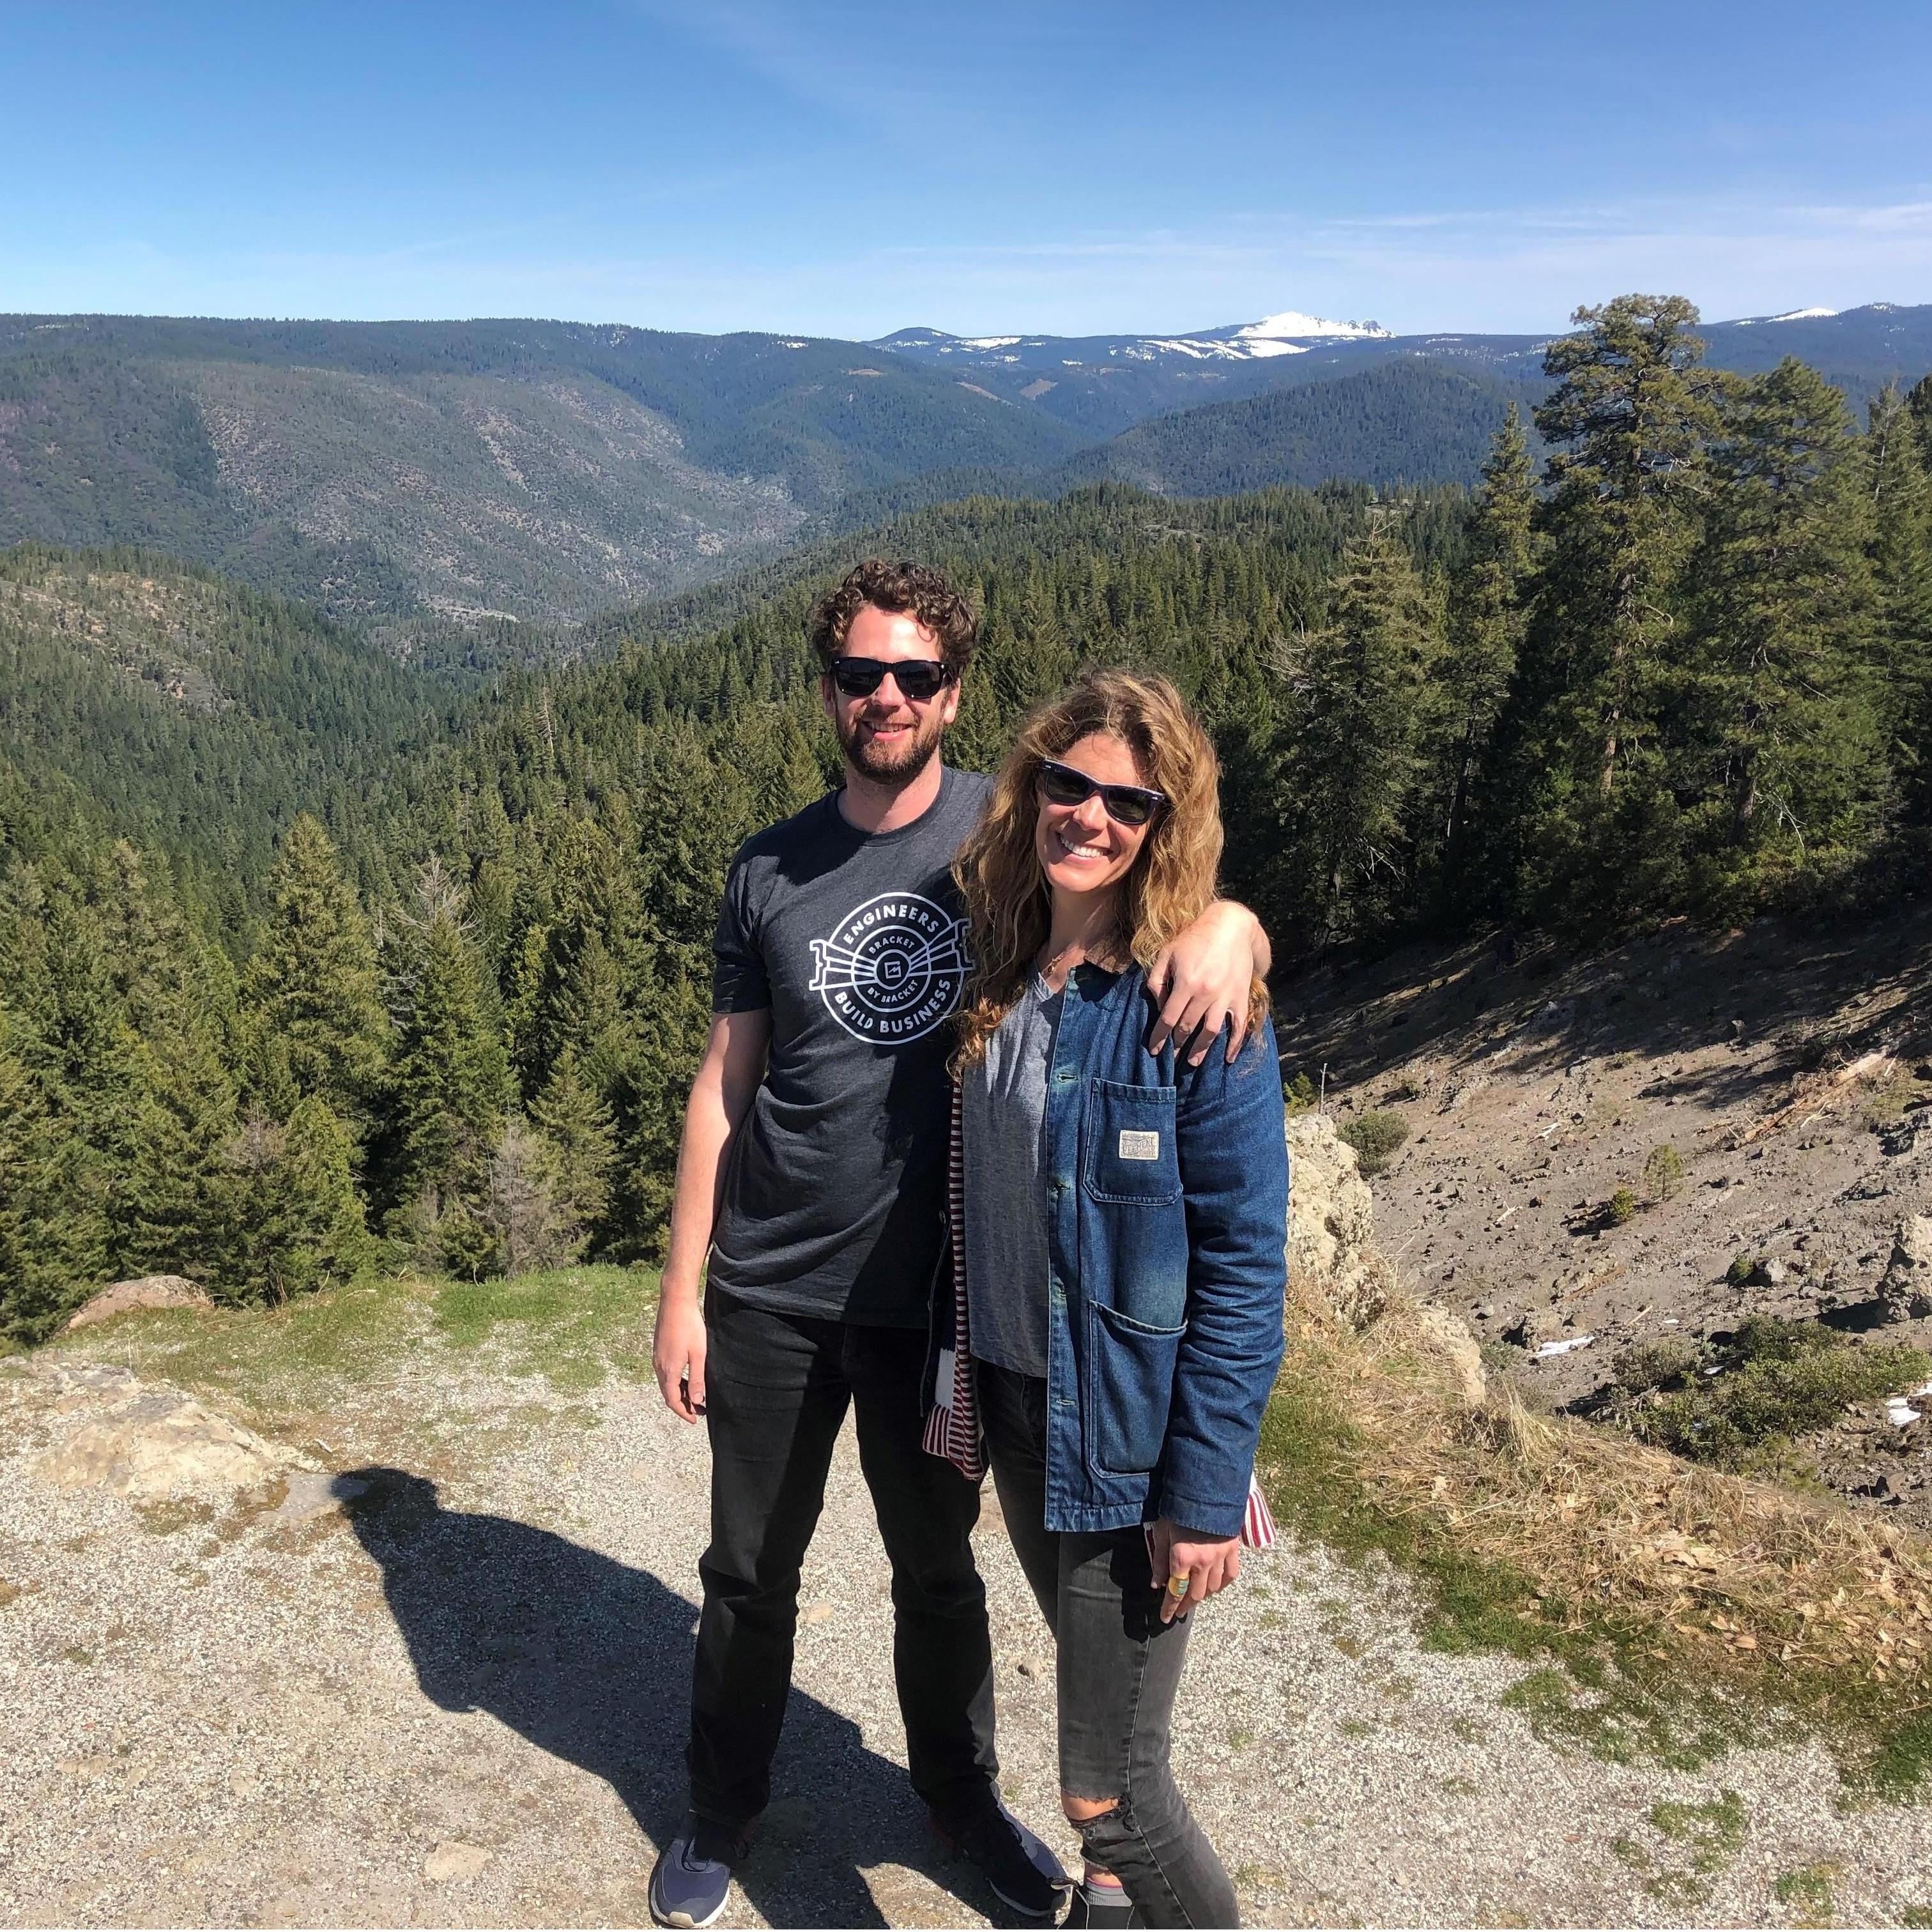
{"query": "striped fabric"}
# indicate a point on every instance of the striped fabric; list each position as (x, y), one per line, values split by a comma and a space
(952, 1428)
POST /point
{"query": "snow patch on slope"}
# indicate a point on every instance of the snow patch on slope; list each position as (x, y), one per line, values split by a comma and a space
(1291, 326)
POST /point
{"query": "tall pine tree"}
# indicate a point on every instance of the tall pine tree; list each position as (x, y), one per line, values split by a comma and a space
(1351, 756)
(1488, 611)
(313, 983)
(1779, 744)
(1595, 833)
(451, 1081)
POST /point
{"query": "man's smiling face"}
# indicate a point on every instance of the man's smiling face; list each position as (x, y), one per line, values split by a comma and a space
(887, 736)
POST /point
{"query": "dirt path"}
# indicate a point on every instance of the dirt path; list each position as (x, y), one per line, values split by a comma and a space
(459, 1701)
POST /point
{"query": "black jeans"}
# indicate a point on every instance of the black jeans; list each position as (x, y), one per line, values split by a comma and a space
(776, 1390)
(1118, 1668)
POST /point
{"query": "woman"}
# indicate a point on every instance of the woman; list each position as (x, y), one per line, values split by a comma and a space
(1119, 1227)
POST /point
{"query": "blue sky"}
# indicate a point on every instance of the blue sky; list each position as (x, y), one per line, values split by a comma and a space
(848, 169)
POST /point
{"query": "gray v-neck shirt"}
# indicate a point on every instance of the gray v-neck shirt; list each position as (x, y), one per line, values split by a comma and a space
(1003, 1122)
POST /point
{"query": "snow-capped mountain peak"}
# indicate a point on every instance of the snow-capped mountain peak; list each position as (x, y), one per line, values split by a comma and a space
(1292, 325)
(1290, 332)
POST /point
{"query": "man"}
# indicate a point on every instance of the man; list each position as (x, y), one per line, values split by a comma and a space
(812, 1174)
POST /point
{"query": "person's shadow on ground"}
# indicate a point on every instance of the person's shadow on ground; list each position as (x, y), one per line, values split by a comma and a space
(591, 1660)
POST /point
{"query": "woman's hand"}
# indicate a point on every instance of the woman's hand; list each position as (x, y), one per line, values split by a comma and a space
(1209, 1563)
(1204, 977)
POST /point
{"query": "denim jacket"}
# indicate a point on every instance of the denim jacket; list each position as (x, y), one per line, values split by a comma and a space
(1167, 1225)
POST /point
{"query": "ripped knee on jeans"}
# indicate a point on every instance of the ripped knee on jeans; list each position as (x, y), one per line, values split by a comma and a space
(1108, 1832)
(1084, 1810)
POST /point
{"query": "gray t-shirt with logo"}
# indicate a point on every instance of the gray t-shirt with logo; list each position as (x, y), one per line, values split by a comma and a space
(835, 1202)
(1002, 1123)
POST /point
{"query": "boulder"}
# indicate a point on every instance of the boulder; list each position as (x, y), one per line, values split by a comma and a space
(154, 1445)
(1905, 1290)
(147, 1291)
(1332, 1256)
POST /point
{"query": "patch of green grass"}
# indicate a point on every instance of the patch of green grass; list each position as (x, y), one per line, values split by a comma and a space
(1714, 1830)
(572, 1325)
(276, 1359)
(1710, 1834)
(1808, 1891)
(1618, 1683)
(1899, 1768)
(1622, 1716)
(1777, 1380)
(1919, 1917)
(1375, 1135)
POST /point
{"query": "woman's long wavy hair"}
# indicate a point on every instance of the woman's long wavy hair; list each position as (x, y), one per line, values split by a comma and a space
(1009, 902)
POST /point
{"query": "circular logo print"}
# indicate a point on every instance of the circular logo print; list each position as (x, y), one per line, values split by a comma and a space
(893, 969)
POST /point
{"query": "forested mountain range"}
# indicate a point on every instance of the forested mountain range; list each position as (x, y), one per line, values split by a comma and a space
(1111, 381)
(543, 471)
(448, 1009)
(1414, 422)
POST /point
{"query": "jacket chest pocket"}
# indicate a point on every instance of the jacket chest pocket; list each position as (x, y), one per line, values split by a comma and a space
(1129, 1154)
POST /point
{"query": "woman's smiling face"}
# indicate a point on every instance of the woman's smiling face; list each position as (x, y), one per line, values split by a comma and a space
(1080, 848)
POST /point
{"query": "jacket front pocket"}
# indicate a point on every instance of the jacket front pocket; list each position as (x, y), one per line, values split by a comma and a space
(1131, 1382)
(1130, 1153)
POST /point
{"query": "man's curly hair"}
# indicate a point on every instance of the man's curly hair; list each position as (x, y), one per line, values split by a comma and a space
(924, 595)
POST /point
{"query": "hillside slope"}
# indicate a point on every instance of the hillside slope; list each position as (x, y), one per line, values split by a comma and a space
(1790, 1072)
(1414, 422)
(184, 709)
(539, 469)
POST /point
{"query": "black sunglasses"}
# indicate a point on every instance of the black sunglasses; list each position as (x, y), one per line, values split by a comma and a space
(1130, 804)
(919, 679)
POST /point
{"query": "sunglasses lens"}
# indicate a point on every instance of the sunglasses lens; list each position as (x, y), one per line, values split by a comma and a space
(1063, 786)
(920, 679)
(858, 677)
(1129, 808)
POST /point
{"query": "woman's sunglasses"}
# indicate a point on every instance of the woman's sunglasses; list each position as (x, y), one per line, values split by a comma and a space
(919, 679)
(1128, 804)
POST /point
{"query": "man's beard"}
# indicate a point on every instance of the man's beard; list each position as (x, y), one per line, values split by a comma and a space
(901, 763)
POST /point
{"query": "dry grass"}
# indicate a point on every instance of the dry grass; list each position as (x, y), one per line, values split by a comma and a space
(1534, 1529)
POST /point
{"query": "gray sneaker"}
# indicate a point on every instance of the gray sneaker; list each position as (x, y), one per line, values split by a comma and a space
(692, 1878)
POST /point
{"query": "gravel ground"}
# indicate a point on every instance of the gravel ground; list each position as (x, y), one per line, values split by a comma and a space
(459, 1702)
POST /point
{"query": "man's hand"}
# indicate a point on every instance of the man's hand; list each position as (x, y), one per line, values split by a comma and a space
(1202, 980)
(1209, 1563)
(677, 1353)
(720, 1097)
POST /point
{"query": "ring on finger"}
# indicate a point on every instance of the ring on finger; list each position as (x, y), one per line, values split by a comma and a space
(1179, 1585)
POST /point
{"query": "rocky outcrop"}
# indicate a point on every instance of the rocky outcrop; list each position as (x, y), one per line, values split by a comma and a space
(147, 1291)
(1905, 1290)
(1332, 1256)
(1335, 1268)
(152, 1445)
